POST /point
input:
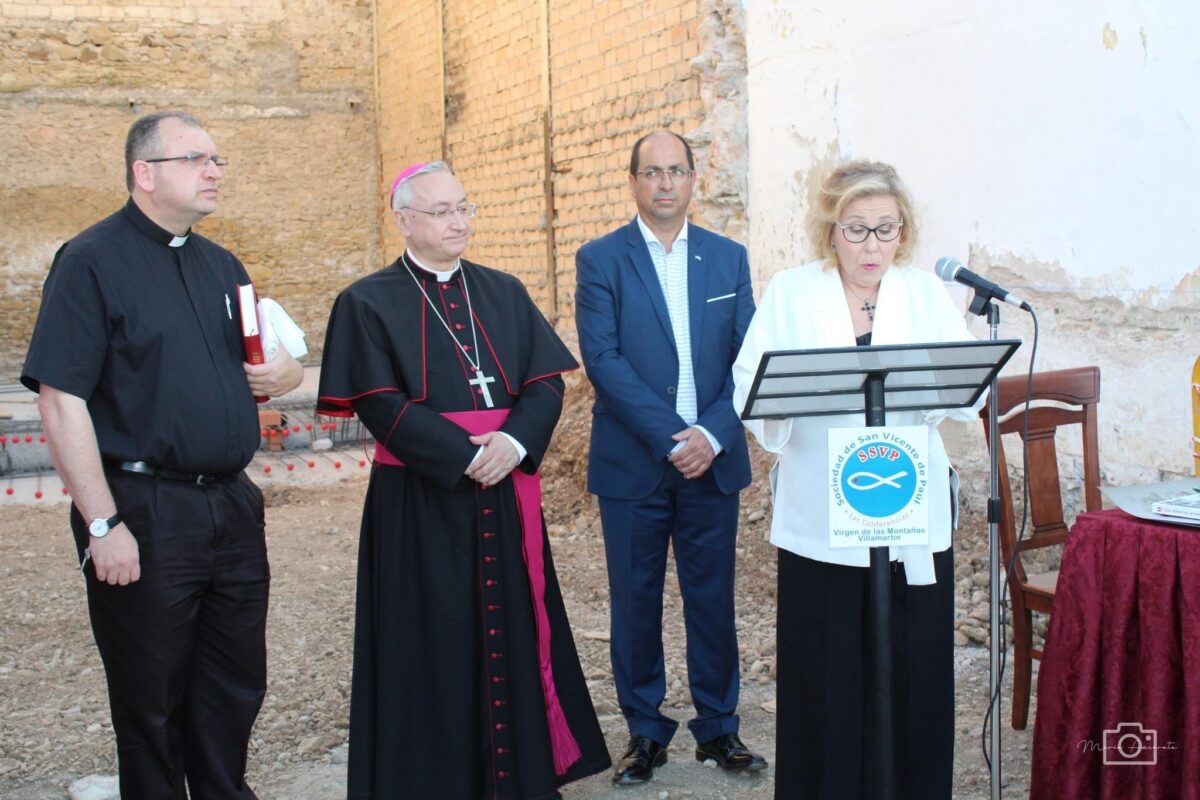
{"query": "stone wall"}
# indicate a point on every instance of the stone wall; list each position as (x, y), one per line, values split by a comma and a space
(286, 87)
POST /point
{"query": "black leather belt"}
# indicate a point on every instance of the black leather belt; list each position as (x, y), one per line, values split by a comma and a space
(142, 468)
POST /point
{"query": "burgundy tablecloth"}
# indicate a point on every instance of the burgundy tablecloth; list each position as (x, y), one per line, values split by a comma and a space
(1122, 650)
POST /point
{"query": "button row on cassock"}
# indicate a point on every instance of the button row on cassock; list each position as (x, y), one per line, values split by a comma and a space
(495, 642)
(465, 327)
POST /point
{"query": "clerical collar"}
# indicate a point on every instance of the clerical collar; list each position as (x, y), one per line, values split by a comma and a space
(650, 238)
(150, 229)
(441, 276)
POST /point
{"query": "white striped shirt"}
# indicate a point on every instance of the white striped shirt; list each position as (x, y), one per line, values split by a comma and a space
(672, 269)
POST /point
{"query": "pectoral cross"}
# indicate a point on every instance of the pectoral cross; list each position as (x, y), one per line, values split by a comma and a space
(482, 381)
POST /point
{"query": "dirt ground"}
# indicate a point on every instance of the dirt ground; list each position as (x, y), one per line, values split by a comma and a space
(54, 725)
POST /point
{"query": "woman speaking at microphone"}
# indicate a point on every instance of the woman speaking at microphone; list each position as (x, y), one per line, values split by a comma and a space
(859, 291)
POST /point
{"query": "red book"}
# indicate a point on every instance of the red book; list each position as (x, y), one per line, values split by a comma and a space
(251, 335)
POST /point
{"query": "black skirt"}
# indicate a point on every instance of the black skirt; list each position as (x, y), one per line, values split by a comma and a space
(825, 739)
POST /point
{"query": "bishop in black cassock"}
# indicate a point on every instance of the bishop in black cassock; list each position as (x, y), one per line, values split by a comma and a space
(466, 680)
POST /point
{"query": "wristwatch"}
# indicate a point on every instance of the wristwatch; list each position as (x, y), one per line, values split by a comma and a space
(99, 527)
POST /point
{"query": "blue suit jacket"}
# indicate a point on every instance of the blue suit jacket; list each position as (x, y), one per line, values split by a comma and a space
(629, 352)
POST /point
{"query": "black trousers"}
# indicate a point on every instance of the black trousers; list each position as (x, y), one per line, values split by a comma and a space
(184, 647)
(825, 744)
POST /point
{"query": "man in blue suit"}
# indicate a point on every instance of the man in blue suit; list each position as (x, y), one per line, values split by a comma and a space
(661, 306)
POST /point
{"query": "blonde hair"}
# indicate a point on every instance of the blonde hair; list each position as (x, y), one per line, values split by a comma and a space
(846, 184)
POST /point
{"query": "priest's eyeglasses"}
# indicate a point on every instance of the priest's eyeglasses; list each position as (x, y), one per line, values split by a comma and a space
(884, 232)
(194, 160)
(673, 173)
(462, 212)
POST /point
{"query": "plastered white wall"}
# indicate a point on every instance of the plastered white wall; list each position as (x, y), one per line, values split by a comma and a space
(1054, 147)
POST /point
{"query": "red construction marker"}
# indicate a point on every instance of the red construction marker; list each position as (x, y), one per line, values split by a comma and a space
(362, 462)
(308, 426)
(267, 468)
(312, 464)
(337, 465)
(65, 490)
(42, 438)
(37, 495)
(9, 490)
(291, 466)
(28, 438)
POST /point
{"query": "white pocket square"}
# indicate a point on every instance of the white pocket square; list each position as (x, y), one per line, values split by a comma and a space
(722, 297)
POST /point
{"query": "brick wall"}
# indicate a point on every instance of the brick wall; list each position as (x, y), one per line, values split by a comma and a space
(620, 70)
(500, 88)
(494, 130)
(411, 110)
(609, 71)
(284, 86)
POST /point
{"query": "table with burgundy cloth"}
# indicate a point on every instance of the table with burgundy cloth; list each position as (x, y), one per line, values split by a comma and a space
(1122, 655)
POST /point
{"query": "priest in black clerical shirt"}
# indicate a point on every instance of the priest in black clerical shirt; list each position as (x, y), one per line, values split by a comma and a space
(149, 411)
(466, 680)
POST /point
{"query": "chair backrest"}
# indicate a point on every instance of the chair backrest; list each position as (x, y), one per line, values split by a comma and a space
(1074, 394)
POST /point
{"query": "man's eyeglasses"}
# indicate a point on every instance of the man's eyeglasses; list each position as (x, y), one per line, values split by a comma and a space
(673, 173)
(857, 234)
(462, 212)
(194, 160)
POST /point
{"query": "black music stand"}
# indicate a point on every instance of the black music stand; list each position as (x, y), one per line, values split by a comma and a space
(846, 380)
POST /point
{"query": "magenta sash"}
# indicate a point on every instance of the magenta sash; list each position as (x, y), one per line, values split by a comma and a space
(528, 490)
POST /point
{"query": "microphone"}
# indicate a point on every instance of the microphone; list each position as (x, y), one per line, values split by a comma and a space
(950, 269)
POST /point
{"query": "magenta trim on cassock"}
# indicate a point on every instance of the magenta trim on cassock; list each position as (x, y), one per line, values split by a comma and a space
(528, 489)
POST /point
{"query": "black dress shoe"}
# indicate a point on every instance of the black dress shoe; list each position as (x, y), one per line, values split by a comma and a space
(639, 761)
(730, 754)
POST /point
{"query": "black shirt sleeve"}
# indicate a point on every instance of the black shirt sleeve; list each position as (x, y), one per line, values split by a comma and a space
(70, 339)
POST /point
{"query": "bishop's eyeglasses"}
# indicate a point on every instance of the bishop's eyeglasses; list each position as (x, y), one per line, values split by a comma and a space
(193, 160)
(884, 232)
(441, 215)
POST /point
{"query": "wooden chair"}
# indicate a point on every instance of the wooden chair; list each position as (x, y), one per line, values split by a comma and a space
(1075, 393)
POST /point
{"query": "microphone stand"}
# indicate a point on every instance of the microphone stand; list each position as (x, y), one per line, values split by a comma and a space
(984, 304)
(994, 617)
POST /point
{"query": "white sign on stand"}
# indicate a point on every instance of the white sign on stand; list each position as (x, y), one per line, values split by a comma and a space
(879, 486)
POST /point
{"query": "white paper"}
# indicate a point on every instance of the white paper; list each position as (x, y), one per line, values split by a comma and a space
(278, 328)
